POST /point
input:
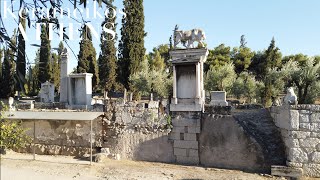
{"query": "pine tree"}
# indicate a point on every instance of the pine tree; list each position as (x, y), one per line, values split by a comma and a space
(21, 59)
(87, 62)
(131, 45)
(242, 56)
(8, 83)
(45, 65)
(108, 58)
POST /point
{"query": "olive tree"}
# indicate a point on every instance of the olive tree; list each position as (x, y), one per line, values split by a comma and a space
(220, 78)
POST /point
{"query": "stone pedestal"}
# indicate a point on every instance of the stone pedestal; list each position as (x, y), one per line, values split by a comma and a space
(185, 135)
(187, 103)
(218, 98)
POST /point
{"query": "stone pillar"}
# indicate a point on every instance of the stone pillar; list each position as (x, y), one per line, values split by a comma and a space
(203, 93)
(174, 99)
(64, 73)
(125, 96)
(151, 96)
(131, 97)
(198, 84)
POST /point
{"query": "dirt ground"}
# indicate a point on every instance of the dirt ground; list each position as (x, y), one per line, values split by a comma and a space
(21, 166)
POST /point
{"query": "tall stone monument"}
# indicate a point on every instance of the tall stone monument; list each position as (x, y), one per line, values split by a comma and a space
(75, 89)
(64, 76)
(188, 95)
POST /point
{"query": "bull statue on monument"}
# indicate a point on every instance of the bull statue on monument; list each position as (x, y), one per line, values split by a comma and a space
(187, 38)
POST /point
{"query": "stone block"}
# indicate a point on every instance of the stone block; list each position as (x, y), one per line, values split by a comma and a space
(309, 142)
(315, 135)
(318, 147)
(291, 143)
(105, 151)
(299, 134)
(53, 150)
(312, 170)
(315, 157)
(126, 117)
(188, 160)
(179, 129)
(283, 119)
(297, 155)
(304, 117)
(314, 127)
(192, 153)
(292, 164)
(194, 130)
(100, 157)
(180, 152)
(175, 136)
(294, 119)
(286, 171)
(218, 98)
(185, 122)
(315, 117)
(185, 144)
(190, 136)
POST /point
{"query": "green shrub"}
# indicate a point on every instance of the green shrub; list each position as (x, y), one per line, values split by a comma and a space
(12, 134)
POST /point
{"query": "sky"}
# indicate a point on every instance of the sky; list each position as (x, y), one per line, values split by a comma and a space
(295, 24)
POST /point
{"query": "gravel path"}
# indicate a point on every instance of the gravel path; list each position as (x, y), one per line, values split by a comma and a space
(20, 166)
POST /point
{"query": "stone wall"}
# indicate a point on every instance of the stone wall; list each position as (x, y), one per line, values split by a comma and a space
(62, 137)
(300, 130)
(223, 143)
(137, 131)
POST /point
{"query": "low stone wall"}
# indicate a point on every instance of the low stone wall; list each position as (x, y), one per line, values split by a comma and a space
(300, 130)
(57, 137)
(40, 105)
(137, 131)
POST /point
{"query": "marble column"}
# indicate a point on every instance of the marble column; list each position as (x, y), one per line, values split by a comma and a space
(198, 82)
(175, 101)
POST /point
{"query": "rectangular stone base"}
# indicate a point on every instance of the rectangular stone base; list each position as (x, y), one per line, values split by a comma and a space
(192, 160)
(219, 103)
(286, 171)
(186, 107)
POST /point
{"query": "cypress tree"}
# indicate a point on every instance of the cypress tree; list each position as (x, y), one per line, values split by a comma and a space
(56, 71)
(45, 65)
(21, 59)
(108, 58)
(87, 62)
(1, 56)
(131, 45)
(8, 83)
(272, 59)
